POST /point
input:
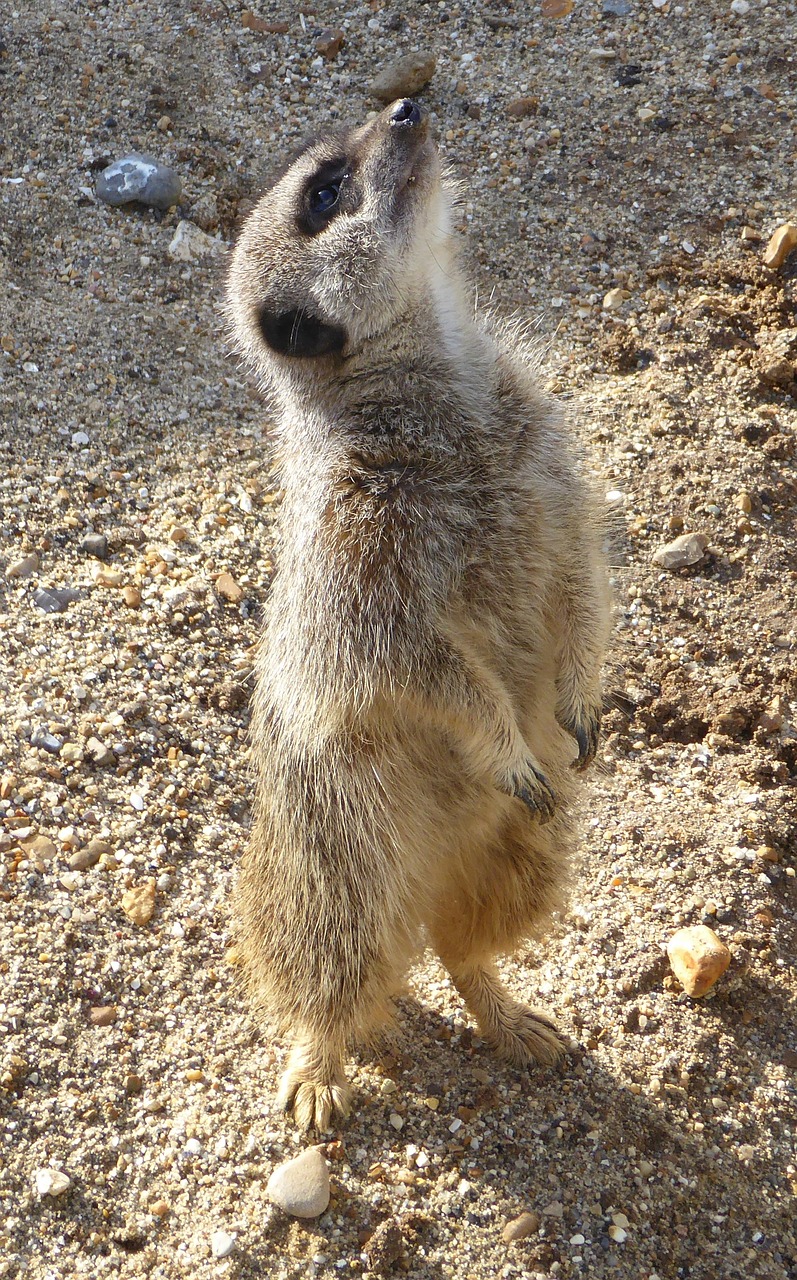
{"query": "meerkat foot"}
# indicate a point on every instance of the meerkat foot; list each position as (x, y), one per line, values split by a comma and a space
(313, 1091)
(583, 724)
(517, 1034)
(314, 1105)
(524, 1036)
(532, 787)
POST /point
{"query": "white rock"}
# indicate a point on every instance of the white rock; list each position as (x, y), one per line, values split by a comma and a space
(51, 1182)
(190, 242)
(301, 1186)
(221, 1244)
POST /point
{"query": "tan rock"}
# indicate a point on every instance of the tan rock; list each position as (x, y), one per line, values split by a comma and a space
(104, 576)
(138, 903)
(23, 568)
(615, 298)
(521, 1227)
(683, 551)
(698, 958)
(229, 589)
(131, 597)
(781, 244)
(405, 76)
(40, 849)
(104, 1015)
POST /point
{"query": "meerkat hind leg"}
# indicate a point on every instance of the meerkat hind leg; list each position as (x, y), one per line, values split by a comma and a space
(518, 1034)
(313, 1087)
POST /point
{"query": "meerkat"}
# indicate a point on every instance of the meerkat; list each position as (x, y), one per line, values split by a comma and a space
(428, 682)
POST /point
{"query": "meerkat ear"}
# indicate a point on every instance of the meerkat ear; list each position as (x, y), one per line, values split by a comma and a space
(298, 333)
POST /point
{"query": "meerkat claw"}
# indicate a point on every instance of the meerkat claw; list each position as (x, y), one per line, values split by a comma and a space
(586, 731)
(536, 793)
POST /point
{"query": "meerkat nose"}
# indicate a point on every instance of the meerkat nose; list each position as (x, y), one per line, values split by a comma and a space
(405, 113)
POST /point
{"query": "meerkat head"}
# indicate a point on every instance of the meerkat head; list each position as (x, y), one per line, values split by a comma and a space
(337, 249)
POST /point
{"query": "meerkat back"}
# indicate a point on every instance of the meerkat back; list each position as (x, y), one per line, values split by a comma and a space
(428, 683)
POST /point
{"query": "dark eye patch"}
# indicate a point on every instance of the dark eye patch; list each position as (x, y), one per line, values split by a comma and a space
(326, 193)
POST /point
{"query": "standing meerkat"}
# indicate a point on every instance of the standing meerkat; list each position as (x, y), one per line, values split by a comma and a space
(429, 672)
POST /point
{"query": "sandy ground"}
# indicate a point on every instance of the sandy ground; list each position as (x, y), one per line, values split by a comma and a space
(654, 154)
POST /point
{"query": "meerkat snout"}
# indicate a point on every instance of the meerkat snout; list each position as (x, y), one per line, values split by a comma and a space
(429, 673)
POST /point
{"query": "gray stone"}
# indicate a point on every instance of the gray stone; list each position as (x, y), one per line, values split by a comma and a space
(405, 76)
(140, 179)
(681, 552)
(301, 1186)
(616, 8)
(95, 544)
(55, 599)
(47, 741)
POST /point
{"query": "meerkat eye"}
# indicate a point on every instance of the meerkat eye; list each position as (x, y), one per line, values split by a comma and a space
(324, 199)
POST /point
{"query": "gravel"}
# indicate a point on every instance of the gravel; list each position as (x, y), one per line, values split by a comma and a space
(651, 163)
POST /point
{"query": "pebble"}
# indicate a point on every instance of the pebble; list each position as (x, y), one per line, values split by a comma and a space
(229, 589)
(781, 244)
(698, 958)
(139, 178)
(301, 1186)
(47, 741)
(55, 599)
(554, 1210)
(329, 42)
(86, 858)
(616, 8)
(131, 597)
(51, 1182)
(520, 108)
(103, 576)
(615, 298)
(99, 754)
(23, 568)
(405, 76)
(41, 849)
(222, 1244)
(521, 1227)
(681, 552)
(103, 1015)
(95, 544)
(160, 1208)
(138, 903)
(189, 242)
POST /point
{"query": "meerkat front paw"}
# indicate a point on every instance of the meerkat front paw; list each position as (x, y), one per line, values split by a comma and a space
(314, 1104)
(531, 786)
(583, 724)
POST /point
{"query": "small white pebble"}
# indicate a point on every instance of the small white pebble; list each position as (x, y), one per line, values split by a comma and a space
(221, 1244)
